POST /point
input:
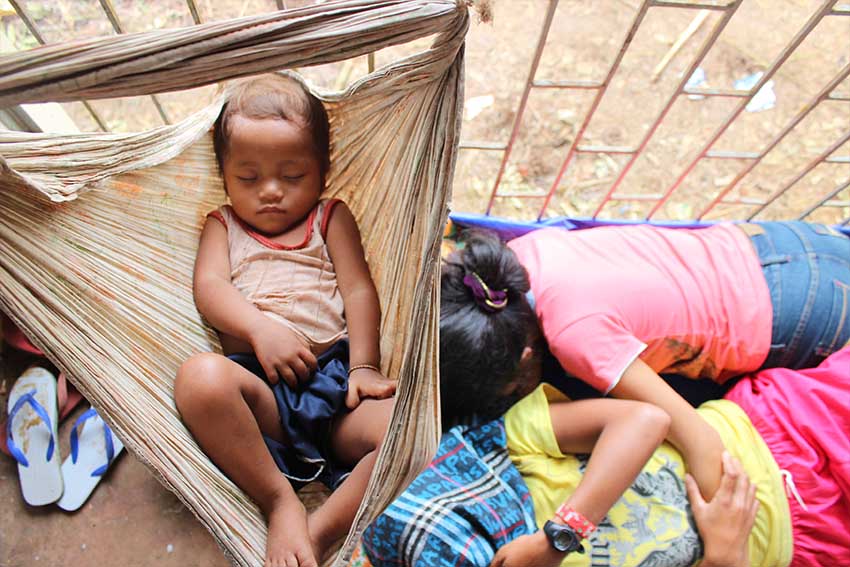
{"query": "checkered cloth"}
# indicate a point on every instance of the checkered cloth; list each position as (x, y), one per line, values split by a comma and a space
(469, 502)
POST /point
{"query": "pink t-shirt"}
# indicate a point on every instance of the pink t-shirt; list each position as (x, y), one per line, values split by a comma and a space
(689, 302)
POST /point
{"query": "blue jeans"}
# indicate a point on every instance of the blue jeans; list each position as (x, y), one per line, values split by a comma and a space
(807, 268)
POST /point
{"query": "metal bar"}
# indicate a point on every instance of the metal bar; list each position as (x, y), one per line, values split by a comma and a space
(836, 204)
(635, 197)
(16, 118)
(110, 12)
(100, 123)
(109, 9)
(814, 163)
(521, 195)
(604, 150)
(490, 146)
(706, 91)
(743, 201)
(843, 10)
(724, 154)
(594, 105)
(768, 73)
(704, 49)
(705, 5)
(160, 109)
(370, 62)
(841, 97)
(281, 5)
(30, 23)
(838, 159)
(541, 42)
(544, 84)
(841, 187)
(808, 108)
(193, 8)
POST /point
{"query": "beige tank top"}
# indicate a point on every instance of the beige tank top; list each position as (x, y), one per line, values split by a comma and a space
(295, 285)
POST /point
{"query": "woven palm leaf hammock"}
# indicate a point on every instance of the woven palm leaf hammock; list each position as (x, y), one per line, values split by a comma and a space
(98, 231)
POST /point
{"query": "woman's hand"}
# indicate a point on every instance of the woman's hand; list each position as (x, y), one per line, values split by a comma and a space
(281, 353)
(367, 383)
(528, 550)
(725, 522)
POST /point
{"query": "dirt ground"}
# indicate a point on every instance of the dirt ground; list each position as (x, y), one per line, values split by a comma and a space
(131, 520)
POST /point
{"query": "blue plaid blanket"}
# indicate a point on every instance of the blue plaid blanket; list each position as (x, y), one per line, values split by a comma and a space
(468, 503)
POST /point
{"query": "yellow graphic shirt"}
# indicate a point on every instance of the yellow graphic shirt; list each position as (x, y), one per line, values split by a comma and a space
(651, 524)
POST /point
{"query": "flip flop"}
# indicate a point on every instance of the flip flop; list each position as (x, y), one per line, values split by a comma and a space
(67, 399)
(31, 436)
(93, 449)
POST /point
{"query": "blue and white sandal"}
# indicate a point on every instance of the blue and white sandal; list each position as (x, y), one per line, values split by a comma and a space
(93, 449)
(31, 436)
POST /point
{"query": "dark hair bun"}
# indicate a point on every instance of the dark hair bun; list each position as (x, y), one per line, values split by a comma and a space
(483, 253)
(481, 347)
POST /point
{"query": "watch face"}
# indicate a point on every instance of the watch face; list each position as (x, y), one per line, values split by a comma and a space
(562, 538)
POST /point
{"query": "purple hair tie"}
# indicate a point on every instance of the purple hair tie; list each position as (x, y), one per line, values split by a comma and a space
(489, 299)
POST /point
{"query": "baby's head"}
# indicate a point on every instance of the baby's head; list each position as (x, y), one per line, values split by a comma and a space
(489, 338)
(272, 144)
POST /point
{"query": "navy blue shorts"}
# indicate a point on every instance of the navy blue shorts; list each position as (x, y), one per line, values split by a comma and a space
(306, 416)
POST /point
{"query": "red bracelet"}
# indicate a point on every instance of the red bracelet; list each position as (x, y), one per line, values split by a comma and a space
(576, 521)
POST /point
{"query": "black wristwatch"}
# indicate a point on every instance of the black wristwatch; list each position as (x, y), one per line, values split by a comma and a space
(562, 537)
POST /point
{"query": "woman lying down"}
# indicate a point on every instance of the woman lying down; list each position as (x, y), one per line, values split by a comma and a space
(555, 482)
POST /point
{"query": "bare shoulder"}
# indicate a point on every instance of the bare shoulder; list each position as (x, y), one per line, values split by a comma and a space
(340, 216)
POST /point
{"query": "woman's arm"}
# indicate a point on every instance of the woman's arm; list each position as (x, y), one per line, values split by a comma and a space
(620, 436)
(280, 352)
(696, 440)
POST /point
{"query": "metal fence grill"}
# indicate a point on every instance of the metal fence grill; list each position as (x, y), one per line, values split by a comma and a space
(708, 151)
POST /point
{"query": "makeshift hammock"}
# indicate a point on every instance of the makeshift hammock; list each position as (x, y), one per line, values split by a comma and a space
(98, 231)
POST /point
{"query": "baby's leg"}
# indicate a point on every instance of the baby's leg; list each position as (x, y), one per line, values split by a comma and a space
(228, 410)
(356, 438)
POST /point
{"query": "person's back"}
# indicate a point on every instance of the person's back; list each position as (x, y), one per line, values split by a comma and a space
(689, 302)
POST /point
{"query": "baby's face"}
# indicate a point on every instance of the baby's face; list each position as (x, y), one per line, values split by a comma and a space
(272, 173)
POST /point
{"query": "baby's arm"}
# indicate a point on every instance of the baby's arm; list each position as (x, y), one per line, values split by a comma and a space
(698, 442)
(362, 309)
(620, 436)
(280, 352)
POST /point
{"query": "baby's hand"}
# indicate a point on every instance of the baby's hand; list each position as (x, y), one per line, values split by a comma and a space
(366, 383)
(282, 354)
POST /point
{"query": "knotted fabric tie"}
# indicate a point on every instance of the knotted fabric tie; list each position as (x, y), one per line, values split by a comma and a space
(489, 299)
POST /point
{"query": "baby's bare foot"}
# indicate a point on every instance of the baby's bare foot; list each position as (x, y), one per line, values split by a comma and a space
(288, 543)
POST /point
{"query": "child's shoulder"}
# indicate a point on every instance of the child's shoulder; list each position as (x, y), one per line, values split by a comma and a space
(325, 211)
(223, 214)
(330, 202)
